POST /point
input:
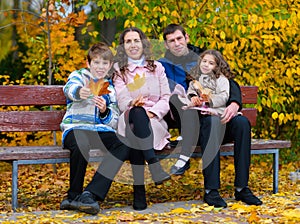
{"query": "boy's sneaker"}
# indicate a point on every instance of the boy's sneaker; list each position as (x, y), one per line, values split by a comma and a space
(87, 203)
(245, 195)
(69, 204)
(213, 198)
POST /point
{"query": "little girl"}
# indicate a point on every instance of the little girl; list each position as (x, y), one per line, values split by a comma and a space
(208, 94)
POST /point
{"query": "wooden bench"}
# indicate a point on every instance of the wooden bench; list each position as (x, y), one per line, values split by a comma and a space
(44, 117)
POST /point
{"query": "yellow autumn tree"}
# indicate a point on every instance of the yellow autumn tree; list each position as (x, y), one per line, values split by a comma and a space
(51, 50)
(50, 36)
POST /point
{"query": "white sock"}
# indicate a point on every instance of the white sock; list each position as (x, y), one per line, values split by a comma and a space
(239, 189)
(182, 161)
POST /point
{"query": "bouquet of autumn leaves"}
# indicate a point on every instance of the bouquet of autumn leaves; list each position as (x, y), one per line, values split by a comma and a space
(205, 95)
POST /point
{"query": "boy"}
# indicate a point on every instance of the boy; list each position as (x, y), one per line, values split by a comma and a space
(90, 122)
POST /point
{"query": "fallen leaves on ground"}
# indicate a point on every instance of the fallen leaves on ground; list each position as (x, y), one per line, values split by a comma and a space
(42, 187)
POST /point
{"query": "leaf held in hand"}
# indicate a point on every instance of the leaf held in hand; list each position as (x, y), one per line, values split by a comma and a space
(201, 91)
(104, 89)
(99, 88)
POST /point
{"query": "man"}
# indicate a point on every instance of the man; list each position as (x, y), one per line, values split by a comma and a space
(180, 58)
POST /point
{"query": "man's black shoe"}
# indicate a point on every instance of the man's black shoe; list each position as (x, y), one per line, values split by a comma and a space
(245, 195)
(66, 204)
(87, 203)
(213, 198)
(69, 204)
(180, 171)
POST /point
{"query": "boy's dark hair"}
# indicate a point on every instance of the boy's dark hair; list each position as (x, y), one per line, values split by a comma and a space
(100, 49)
(171, 28)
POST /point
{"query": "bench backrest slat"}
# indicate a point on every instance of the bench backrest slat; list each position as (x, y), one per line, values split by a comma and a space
(31, 95)
(249, 94)
(42, 119)
(30, 120)
(251, 114)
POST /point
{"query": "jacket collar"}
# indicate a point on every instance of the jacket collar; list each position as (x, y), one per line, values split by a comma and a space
(190, 57)
(133, 64)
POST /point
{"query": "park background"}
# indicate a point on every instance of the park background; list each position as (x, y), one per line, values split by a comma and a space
(42, 42)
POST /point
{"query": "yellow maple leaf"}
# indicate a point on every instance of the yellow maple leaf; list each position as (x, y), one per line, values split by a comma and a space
(253, 218)
(99, 87)
(138, 82)
(208, 208)
(292, 214)
(230, 167)
(179, 211)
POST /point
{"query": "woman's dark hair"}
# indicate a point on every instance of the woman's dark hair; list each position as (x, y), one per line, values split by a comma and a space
(222, 67)
(122, 58)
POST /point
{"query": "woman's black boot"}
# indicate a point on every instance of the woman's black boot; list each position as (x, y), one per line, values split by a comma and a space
(139, 197)
(157, 172)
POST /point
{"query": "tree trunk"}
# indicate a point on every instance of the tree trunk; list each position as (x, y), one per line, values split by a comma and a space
(108, 29)
(14, 31)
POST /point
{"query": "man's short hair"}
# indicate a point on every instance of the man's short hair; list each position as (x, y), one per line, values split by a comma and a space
(171, 28)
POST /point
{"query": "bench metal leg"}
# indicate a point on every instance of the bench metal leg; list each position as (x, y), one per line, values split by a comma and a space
(275, 171)
(275, 153)
(14, 185)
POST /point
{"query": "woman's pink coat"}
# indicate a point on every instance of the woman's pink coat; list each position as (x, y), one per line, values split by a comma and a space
(156, 93)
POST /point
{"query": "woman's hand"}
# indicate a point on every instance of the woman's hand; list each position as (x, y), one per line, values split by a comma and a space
(150, 114)
(100, 102)
(196, 101)
(84, 93)
(139, 101)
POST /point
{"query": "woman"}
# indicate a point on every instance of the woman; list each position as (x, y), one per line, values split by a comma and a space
(143, 98)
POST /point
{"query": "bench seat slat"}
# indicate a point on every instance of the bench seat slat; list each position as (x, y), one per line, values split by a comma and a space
(56, 152)
(256, 144)
(39, 152)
